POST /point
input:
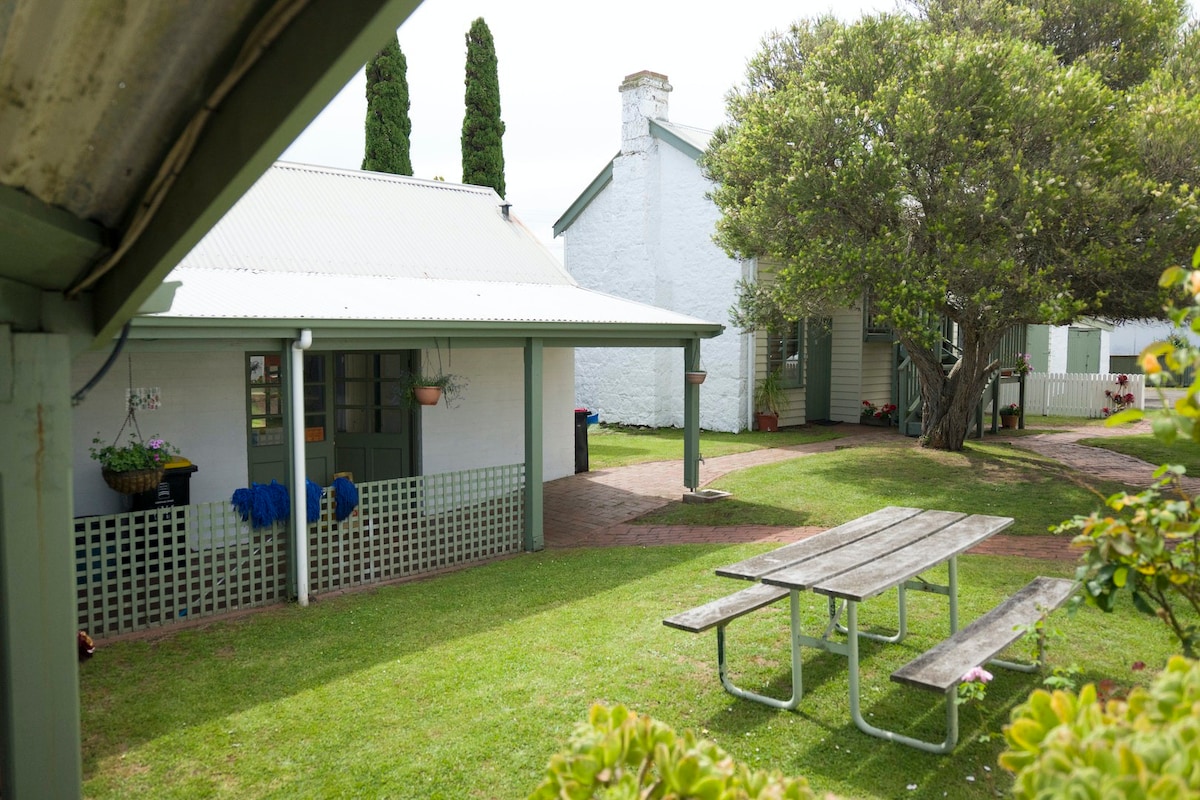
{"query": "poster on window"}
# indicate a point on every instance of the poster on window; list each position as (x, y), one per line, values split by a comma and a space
(143, 399)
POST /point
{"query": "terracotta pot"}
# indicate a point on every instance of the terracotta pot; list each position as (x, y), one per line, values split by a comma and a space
(695, 377)
(1009, 420)
(767, 422)
(427, 395)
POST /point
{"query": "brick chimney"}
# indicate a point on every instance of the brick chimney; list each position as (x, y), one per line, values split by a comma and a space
(643, 98)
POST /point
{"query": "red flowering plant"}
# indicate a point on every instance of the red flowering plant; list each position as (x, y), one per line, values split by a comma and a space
(872, 411)
(1119, 399)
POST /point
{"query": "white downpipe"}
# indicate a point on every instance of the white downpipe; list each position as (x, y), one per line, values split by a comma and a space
(299, 493)
(750, 273)
(751, 353)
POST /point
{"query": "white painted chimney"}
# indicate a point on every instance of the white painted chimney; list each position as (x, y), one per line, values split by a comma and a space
(643, 98)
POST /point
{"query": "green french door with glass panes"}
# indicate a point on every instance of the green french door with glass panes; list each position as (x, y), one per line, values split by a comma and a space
(266, 378)
(375, 430)
(353, 419)
(269, 432)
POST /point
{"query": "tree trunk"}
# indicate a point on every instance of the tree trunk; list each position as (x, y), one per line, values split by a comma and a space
(950, 397)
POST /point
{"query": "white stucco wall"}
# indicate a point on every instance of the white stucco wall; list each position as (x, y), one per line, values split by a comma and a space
(647, 236)
(202, 413)
(487, 425)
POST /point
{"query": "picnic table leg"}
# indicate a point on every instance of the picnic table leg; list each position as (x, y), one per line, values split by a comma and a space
(797, 674)
(855, 704)
(953, 570)
(901, 621)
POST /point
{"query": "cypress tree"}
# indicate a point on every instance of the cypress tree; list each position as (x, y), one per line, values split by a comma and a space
(482, 151)
(388, 125)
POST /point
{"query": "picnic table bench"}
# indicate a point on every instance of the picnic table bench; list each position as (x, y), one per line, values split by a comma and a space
(851, 563)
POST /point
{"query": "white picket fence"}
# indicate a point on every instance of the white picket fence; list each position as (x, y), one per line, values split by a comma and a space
(1072, 394)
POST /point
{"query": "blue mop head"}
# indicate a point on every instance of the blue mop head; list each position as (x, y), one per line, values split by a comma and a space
(345, 498)
(278, 501)
(314, 493)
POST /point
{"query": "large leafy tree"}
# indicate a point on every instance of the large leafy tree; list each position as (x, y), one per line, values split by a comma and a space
(955, 165)
(482, 130)
(388, 126)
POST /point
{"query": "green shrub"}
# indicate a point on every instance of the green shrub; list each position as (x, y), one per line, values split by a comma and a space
(1150, 544)
(1147, 747)
(619, 755)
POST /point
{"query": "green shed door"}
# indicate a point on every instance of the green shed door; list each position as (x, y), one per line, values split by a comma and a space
(1083, 350)
(818, 387)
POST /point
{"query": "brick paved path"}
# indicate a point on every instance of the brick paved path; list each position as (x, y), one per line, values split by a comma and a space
(594, 509)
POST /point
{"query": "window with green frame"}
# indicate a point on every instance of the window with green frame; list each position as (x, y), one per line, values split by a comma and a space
(785, 352)
(874, 330)
(266, 399)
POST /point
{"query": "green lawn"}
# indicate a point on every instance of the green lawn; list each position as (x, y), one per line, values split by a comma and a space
(462, 686)
(620, 445)
(831, 488)
(1046, 424)
(1151, 450)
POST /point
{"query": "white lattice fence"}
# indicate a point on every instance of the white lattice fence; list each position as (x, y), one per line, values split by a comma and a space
(415, 525)
(1072, 394)
(144, 569)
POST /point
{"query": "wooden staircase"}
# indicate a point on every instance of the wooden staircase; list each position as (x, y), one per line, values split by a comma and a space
(906, 386)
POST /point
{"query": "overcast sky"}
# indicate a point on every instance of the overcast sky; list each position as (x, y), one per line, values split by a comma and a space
(560, 62)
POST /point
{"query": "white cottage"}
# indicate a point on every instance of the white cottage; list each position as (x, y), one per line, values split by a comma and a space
(643, 230)
(293, 328)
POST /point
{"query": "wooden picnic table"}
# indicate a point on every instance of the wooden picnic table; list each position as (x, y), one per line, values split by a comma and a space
(862, 559)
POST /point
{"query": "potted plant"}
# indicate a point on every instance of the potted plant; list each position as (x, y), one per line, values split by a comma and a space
(133, 467)
(1009, 415)
(428, 390)
(876, 415)
(769, 399)
(1119, 400)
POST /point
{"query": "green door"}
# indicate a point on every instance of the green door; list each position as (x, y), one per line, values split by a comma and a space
(375, 437)
(266, 378)
(818, 386)
(318, 427)
(269, 433)
(1083, 350)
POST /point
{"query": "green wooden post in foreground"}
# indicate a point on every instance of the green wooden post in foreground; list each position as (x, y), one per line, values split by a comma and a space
(691, 418)
(533, 445)
(39, 668)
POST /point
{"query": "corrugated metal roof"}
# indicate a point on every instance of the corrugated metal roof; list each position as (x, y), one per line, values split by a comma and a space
(95, 93)
(696, 137)
(247, 294)
(313, 243)
(302, 219)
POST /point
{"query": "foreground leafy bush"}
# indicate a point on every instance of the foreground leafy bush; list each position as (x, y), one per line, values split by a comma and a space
(1147, 747)
(1149, 545)
(619, 755)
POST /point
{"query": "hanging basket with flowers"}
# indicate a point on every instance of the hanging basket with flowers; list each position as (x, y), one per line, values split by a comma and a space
(136, 466)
